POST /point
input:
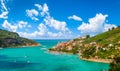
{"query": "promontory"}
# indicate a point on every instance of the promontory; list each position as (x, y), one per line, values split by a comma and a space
(12, 39)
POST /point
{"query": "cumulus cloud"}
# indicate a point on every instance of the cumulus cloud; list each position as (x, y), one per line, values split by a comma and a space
(109, 26)
(59, 34)
(16, 26)
(58, 25)
(3, 5)
(29, 26)
(43, 9)
(39, 6)
(9, 26)
(4, 15)
(27, 35)
(50, 21)
(59, 28)
(22, 24)
(32, 14)
(95, 25)
(40, 33)
(4, 10)
(74, 17)
(42, 29)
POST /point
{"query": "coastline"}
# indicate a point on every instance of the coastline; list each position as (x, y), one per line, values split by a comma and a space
(22, 46)
(33, 45)
(29, 45)
(97, 60)
(56, 52)
(89, 59)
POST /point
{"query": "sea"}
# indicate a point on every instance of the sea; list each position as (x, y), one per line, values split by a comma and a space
(38, 58)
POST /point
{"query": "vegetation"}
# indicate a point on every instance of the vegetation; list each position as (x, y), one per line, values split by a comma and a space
(115, 65)
(12, 39)
(105, 45)
(102, 46)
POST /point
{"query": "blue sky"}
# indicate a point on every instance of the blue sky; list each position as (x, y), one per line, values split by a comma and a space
(58, 19)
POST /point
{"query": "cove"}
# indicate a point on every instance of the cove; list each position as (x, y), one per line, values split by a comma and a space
(39, 59)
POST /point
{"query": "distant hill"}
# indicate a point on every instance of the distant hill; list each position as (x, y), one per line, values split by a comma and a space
(12, 39)
(102, 46)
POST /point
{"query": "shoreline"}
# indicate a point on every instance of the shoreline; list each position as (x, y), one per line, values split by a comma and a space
(98, 60)
(56, 52)
(21, 46)
(85, 59)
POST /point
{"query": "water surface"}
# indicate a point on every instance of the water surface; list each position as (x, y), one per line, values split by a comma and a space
(39, 59)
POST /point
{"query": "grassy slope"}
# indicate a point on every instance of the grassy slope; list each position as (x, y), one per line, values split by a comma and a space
(104, 39)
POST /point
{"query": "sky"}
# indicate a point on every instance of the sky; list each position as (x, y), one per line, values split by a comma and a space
(59, 19)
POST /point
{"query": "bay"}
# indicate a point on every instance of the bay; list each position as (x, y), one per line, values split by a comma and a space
(39, 59)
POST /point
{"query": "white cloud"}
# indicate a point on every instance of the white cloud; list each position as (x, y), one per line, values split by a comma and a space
(74, 17)
(22, 24)
(59, 28)
(42, 29)
(58, 25)
(43, 9)
(4, 15)
(96, 25)
(39, 34)
(4, 10)
(29, 26)
(109, 26)
(32, 14)
(59, 34)
(9, 26)
(27, 35)
(42, 32)
(3, 5)
(16, 26)
(39, 6)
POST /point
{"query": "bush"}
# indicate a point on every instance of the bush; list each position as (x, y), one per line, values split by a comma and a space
(115, 65)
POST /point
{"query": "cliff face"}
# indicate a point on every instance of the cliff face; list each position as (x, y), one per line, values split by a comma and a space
(12, 39)
(102, 46)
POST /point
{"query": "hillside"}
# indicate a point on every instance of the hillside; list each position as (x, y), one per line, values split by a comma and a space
(104, 46)
(12, 39)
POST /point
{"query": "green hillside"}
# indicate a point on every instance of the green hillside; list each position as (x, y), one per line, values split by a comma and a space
(108, 44)
(109, 37)
(12, 39)
(105, 45)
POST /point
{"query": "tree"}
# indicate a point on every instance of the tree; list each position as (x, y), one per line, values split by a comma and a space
(118, 26)
(113, 28)
(115, 65)
(87, 36)
(109, 29)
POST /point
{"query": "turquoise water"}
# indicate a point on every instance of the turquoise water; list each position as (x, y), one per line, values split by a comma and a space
(39, 59)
